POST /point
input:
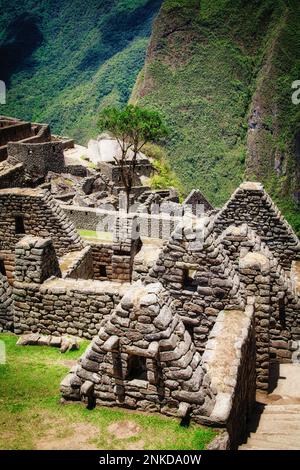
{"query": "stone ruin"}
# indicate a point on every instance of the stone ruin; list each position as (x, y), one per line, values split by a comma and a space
(188, 324)
(144, 358)
(88, 187)
(30, 156)
(233, 299)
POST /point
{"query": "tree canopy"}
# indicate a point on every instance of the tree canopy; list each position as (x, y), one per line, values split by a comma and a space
(132, 127)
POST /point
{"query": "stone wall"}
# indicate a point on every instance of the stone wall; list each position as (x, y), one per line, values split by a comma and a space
(102, 260)
(197, 203)
(255, 271)
(113, 171)
(16, 131)
(151, 226)
(41, 216)
(3, 153)
(76, 170)
(86, 218)
(143, 358)
(136, 191)
(81, 265)
(39, 158)
(12, 176)
(126, 244)
(44, 303)
(67, 143)
(198, 274)
(40, 133)
(277, 304)
(64, 306)
(229, 359)
(6, 312)
(36, 260)
(252, 205)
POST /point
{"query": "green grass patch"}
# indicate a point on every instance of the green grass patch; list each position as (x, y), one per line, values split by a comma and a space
(103, 236)
(88, 233)
(31, 415)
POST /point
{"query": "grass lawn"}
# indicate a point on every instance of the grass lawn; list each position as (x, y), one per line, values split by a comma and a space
(102, 236)
(31, 416)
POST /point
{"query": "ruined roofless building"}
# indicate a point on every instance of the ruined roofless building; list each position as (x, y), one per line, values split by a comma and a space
(194, 337)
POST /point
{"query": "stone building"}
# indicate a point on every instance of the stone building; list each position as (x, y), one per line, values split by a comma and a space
(143, 358)
(32, 212)
(15, 130)
(28, 151)
(197, 203)
(192, 332)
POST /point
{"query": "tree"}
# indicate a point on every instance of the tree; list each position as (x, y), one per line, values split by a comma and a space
(132, 127)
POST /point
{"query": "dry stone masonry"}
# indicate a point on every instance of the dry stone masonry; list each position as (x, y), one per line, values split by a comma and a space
(33, 212)
(6, 310)
(143, 358)
(187, 325)
(252, 205)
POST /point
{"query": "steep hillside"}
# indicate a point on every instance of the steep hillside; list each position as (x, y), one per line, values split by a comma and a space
(64, 59)
(221, 72)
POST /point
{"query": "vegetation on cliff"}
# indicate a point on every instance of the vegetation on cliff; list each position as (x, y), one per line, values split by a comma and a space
(221, 72)
(64, 60)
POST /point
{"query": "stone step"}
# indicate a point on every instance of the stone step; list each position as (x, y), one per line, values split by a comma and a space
(279, 424)
(266, 446)
(282, 428)
(293, 440)
(270, 409)
(280, 418)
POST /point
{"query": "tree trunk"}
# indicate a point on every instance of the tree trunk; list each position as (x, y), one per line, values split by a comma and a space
(127, 199)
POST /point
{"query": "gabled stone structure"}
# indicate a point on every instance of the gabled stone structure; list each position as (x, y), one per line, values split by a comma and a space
(251, 204)
(277, 302)
(198, 274)
(197, 203)
(33, 212)
(143, 358)
(15, 130)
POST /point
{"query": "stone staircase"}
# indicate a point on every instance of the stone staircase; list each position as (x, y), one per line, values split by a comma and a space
(275, 424)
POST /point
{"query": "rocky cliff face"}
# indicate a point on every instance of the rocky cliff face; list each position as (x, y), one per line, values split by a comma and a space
(222, 72)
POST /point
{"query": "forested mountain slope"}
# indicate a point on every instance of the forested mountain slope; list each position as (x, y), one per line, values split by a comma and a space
(221, 71)
(64, 59)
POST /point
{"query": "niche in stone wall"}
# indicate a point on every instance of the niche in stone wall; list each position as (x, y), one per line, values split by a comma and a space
(2, 267)
(102, 270)
(136, 368)
(188, 280)
(190, 329)
(19, 225)
(281, 308)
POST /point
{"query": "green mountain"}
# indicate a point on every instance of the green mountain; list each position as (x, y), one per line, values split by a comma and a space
(62, 60)
(221, 71)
